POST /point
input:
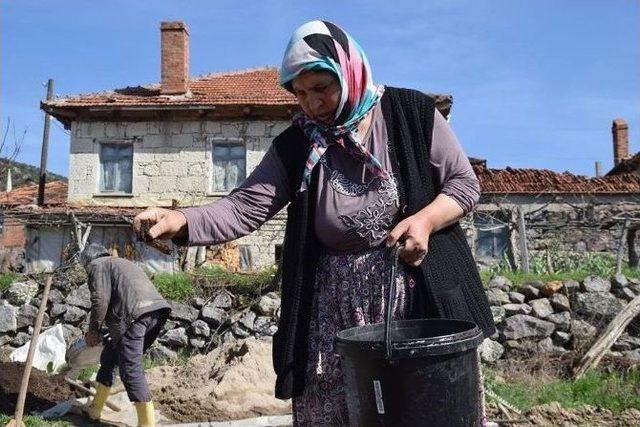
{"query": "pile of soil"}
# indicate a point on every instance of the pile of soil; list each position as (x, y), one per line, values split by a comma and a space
(234, 381)
(554, 414)
(44, 390)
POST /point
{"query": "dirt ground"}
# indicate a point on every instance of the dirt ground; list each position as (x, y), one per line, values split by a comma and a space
(234, 381)
(44, 390)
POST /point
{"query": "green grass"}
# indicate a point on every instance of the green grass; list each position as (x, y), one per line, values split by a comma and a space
(34, 421)
(614, 391)
(6, 279)
(87, 372)
(177, 286)
(239, 283)
(549, 265)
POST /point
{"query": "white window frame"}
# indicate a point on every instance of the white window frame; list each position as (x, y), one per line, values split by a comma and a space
(217, 141)
(117, 143)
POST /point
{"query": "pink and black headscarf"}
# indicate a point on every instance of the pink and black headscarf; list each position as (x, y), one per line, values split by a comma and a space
(323, 46)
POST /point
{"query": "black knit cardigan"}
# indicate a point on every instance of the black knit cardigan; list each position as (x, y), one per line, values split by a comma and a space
(447, 282)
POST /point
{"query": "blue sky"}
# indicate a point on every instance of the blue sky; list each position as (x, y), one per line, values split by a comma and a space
(535, 83)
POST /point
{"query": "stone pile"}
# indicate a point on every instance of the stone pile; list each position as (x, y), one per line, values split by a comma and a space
(197, 325)
(558, 316)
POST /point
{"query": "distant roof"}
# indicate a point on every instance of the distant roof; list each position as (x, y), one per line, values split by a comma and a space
(228, 93)
(543, 181)
(55, 194)
(630, 165)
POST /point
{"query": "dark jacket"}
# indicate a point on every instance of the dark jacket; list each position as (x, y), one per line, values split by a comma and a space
(448, 283)
(120, 293)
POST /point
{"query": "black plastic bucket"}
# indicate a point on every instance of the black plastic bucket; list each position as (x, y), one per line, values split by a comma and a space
(411, 372)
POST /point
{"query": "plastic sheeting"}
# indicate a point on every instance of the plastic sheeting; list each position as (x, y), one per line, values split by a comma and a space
(50, 349)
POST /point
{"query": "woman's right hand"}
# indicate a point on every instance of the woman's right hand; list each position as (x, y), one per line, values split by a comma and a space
(166, 223)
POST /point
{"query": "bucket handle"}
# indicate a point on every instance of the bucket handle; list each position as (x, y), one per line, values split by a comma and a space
(395, 254)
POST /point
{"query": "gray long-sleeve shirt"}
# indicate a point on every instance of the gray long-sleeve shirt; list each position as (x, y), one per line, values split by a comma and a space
(120, 293)
(266, 191)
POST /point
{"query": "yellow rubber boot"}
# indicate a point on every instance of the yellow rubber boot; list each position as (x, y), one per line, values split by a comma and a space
(146, 414)
(94, 410)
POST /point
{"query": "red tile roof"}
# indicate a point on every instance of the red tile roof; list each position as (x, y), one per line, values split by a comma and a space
(55, 194)
(247, 87)
(542, 181)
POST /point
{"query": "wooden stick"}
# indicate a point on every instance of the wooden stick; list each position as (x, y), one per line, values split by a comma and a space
(607, 338)
(80, 387)
(621, 245)
(17, 418)
(522, 238)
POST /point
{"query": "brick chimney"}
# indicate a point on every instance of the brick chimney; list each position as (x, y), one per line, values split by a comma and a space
(620, 130)
(175, 58)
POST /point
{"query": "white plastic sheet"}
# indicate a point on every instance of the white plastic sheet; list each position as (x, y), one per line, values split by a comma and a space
(50, 349)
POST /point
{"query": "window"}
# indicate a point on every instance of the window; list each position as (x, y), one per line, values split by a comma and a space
(246, 262)
(116, 165)
(493, 236)
(229, 164)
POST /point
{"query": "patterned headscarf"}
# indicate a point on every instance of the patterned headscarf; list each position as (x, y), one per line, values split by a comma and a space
(318, 46)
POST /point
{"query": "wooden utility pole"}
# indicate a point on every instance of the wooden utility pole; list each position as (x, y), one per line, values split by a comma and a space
(522, 239)
(45, 148)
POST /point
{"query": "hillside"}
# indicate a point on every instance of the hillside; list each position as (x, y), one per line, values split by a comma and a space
(23, 174)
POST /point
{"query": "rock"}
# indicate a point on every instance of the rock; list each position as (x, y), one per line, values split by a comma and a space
(197, 302)
(175, 337)
(595, 284)
(499, 282)
(214, 316)
(541, 308)
(513, 345)
(58, 310)
(70, 333)
(272, 330)
(490, 350)
(512, 309)
(160, 353)
(497, 296)
(239, 330)
(27, 316)
(530, 292)
(522, 326)
(222, 299)
(561, 320)
(80, 297)
(635, 287)
(582, 331)
(248, 319)
(74, 315)
(20, 339)
(538, 284)
(8, 317)
(498, 313)
(626, 342)
(516, 297)
(572, 287)
(618, 281)
(262, 324)
(547, 346)
(227, 337)
(55, 296)
(268, 304)
(560, 302)
(180, 311)
(561, 338)
(197, 342)
(551, 288)
(633, 355)
(597, 305)
(5, 338)
(624, 293)
(200, 328)
(20, 293)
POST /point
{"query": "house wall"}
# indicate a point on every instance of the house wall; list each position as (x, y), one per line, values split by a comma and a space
(172, 161)
(559, 223)
(12, 234)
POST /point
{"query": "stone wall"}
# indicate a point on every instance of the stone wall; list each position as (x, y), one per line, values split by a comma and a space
(560, 316)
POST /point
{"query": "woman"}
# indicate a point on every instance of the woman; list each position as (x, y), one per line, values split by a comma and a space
(362, 167)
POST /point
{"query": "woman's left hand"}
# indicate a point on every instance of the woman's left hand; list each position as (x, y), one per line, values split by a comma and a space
(414, 231)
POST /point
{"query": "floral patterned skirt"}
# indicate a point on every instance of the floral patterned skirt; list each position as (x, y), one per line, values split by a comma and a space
(350, 290)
